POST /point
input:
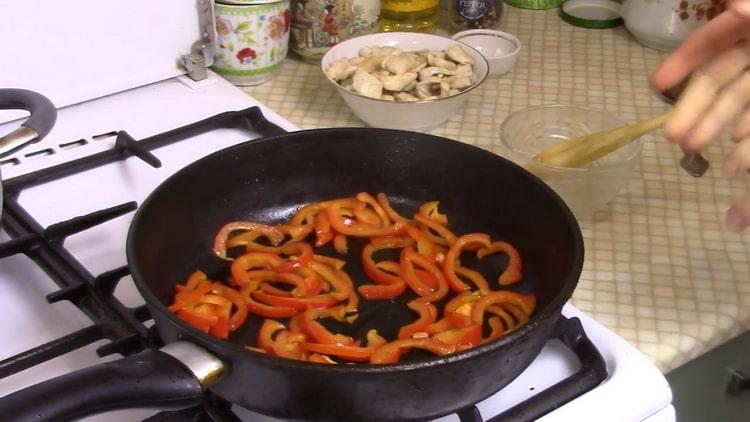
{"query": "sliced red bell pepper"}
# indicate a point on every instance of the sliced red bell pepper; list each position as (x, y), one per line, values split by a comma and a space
(452, 259)
(297, 303)
(340, 244)
(458, 310)
(371, 269)
(201, 322)
(330, 261)
(273, 234)
(252, 261)
(382, 291)
(461, 338)
(323, 231)
(427, 315)
(441, 236)
(319, 333)
(262, 309)
(185, 297)
(301, 254)
(513, 272)
(525, 302)
(475, 277)
(318, 358)
(365, 215)
(410, 258)
(266, 334)
(408, 273)
(391, 352)
(350, 353)
(369, 200)
(430, 210)
(342, 287)
(439, 326)
(344, 225)
(425, 247)
(239, 315)
(392, 214)
(288, 345)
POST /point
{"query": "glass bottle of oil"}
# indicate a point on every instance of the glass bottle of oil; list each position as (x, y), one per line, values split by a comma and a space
(409, 15)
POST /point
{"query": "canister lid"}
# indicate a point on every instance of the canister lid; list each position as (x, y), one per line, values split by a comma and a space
(591, 13)
(244, 2)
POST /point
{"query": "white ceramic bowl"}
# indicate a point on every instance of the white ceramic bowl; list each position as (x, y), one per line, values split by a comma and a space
(419, 115)
(499, 48)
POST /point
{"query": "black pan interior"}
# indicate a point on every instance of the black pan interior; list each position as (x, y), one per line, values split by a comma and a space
(268, 180)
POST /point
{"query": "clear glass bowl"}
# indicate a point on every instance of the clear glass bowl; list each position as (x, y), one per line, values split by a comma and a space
(525, 133)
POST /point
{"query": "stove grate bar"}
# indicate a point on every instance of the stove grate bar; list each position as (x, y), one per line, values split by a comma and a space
(17, 245)
(50, 350)
(250, 119)
(107, 281)
(76, 283)
(127, 144)
(59, 231)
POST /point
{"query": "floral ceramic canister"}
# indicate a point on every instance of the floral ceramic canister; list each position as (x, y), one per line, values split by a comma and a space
(252, 39)
(319, 24)
(664, 24)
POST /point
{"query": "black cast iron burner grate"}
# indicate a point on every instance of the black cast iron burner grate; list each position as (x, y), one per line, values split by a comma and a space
(124, 327)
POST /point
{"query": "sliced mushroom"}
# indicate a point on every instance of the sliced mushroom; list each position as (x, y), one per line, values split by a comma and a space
(460, 82)
(411, 86)
(438, 59)
(366, 84)
(420, 62)
(398, 82)
(429, 87)
(398, 64)
(405, 96)
(341, 69)
(395, 75)
(347, 84)
(371, 63)
(458, 54)
(430, 71)
(463, 70)
(445, 88)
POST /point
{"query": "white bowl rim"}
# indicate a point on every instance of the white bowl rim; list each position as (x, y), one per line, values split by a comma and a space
(490, 32)
(579, 107)
(380, 35)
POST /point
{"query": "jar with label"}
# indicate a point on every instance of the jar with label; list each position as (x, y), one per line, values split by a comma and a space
(476, 14)
(409, 15)
(252, 39)
(317, 25)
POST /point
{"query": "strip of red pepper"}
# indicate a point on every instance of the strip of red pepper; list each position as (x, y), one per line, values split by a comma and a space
(512, 273)
(451, 259)
(274, 235)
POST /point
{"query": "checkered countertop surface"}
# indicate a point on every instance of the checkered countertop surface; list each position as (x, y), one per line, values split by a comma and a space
(661, 270)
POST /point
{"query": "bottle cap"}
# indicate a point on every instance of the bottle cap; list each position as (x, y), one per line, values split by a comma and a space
(591, 13)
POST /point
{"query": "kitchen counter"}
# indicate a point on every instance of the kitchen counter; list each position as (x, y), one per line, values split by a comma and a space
(661, 270)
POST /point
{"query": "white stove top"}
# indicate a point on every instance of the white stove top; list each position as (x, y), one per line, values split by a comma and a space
(634, 391)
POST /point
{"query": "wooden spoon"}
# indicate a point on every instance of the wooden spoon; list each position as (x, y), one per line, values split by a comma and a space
(578, 152)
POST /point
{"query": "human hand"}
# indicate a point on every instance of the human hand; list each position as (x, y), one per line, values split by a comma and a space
(717, 59)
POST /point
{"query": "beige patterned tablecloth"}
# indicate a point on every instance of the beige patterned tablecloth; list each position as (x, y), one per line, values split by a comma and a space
(661, 270)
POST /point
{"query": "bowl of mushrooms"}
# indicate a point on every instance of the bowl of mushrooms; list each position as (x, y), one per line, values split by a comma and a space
(404, 80)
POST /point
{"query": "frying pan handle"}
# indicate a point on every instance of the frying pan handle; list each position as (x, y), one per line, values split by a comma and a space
(173, 377)
(38, 125)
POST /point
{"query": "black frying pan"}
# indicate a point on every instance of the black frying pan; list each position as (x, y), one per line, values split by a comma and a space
(267, 180)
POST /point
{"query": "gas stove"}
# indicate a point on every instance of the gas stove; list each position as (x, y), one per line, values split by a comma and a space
(67, 298)
(98, 201)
